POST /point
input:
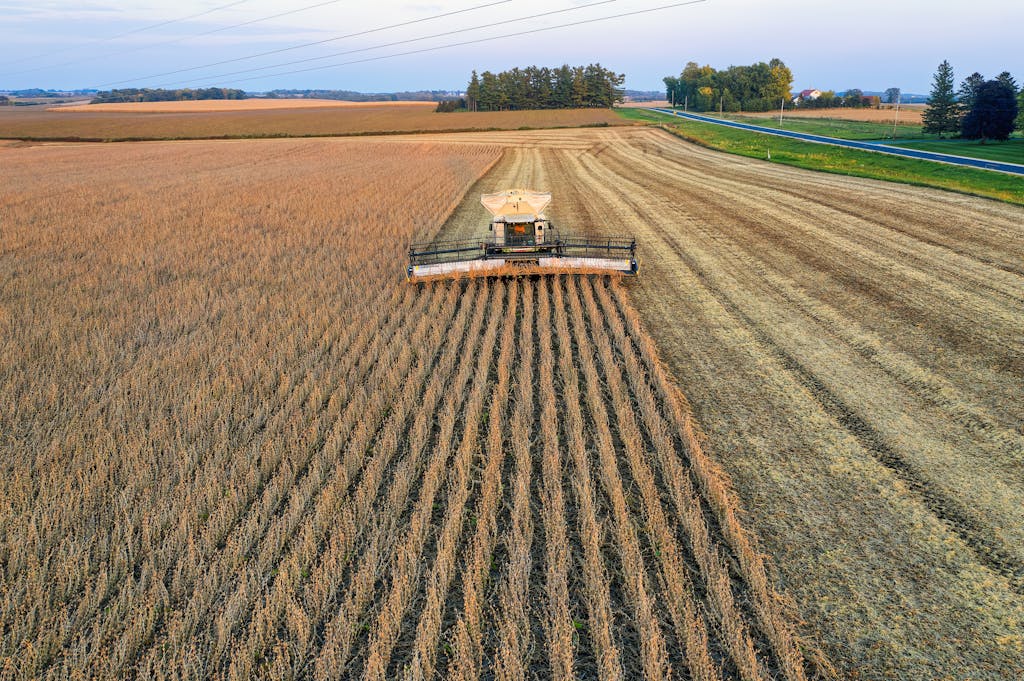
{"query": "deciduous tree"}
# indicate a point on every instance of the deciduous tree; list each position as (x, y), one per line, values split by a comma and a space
(993, 114)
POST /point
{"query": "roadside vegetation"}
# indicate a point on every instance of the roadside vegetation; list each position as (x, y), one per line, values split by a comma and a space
(825, 158)
(1007, 151)
(834, 127)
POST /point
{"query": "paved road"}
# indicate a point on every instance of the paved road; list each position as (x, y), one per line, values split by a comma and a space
(1013, 168)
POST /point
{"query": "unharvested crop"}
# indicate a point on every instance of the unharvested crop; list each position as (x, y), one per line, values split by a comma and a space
(236, 444)
(853, 350)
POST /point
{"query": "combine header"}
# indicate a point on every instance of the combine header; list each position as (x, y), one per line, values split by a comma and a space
(521, 239)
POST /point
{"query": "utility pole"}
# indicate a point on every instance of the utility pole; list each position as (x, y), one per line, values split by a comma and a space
(721, 106)
(686, 103)
(896, 120)
(782, 108)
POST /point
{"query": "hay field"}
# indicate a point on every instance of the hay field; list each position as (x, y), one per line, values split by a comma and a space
(909, 114)
(853, 350)
(235, 444)
(25, 123)
(208, 105)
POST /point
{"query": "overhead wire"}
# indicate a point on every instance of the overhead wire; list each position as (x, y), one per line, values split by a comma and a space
(405, 41)
(133, 31)
(469, 42)
(309, 44)
(184, 38)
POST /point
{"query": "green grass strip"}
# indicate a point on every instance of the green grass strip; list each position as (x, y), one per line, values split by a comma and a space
(1010, 151)
(839, 160)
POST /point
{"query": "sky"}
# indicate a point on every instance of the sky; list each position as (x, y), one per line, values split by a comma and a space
(866, 44)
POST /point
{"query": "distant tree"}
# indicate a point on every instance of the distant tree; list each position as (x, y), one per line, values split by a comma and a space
(1007, 79)
(943, 113)
(780, 84)
(853, 97)
(4, 99)
(892, 95)
(450, 105)
(535, 87)
(826, 99)
(561, 89)
(671, 87)
(756, 87)
(488, 98)
(473, 92)
(993, 113)
(969, 88)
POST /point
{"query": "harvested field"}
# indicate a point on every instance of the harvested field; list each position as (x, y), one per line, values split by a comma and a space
(853, 350)
(207, 105)
(236, 444)
(909, 113)
(89, 124)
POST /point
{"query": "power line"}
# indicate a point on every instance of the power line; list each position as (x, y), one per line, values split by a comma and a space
(133, 31)
(310, 44)
(471, 42)
(403, 42)
(173, 41)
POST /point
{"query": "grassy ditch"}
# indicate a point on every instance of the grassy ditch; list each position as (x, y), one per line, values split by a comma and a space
(839, 160)
(1010, 151)
(834, 127)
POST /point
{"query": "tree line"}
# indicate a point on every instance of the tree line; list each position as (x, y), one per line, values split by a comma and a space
(541, 87)
(161, 95)
(854, 98)
(980, 109)
(757, 87)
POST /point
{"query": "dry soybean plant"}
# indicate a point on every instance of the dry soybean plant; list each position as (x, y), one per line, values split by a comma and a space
(236, 444)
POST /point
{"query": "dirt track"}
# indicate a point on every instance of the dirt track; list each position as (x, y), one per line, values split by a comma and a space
(853, 350)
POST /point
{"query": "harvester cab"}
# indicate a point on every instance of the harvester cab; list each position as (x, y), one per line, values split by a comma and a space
(521, 239)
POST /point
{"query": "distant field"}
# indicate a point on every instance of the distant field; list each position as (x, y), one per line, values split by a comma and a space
(635, 105)
(837, 127)
(111, 126)
(207, 105)
(910, 114)
(1010, 151)
(839, 160)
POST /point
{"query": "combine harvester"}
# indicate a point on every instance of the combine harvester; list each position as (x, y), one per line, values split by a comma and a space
(521, 241)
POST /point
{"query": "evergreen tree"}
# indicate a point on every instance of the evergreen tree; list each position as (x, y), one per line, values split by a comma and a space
(536, 87)
(1020, 111)
(562, 88)
(1009, 80)
(993, 113)
(473, 92)
(943, 112)
(968, 90)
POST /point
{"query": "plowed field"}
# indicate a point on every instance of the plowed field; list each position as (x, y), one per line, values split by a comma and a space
(853, 350)
(234, 443)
